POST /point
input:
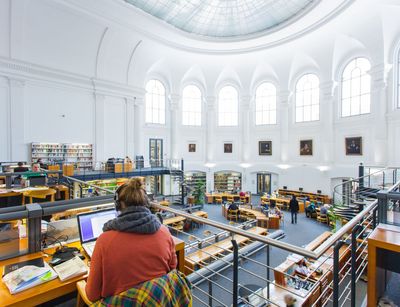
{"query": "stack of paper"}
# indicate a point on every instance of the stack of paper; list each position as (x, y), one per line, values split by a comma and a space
(71, 268)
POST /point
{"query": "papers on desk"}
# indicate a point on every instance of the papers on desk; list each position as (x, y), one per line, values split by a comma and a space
(71, 268)
(24, 275)
(295, 257)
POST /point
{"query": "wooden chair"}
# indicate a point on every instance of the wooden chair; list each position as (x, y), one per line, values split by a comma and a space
(218, 199)
(42, 194)
(243, 200)
(233, 214)
(322, 218)
(230, 199)
(82, 299)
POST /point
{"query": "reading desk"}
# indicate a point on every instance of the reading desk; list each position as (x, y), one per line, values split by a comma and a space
(55, 288)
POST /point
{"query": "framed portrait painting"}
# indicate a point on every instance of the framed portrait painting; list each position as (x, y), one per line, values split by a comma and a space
(192, 148)
(306, 148)
(265, 148)
(353, 146)
(227, 147)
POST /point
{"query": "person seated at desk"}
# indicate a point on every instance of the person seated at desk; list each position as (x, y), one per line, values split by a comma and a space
(275, 211)
(134, 247)
(264, 208)
(302, 268)
(324, 209)
(242, 194)
(310, 209)
(21, 168)
(233, 206)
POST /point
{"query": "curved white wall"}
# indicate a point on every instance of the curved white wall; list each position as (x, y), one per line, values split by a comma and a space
(71, 74)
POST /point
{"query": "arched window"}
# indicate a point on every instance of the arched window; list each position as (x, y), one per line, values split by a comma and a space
(307, 98)
(191, 106)
(228, 106)
(356, 88)
(266, 104)
(155, 102)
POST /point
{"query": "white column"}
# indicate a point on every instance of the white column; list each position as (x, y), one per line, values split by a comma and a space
(18, 149)
(99, 118)
(139, 114)
(130, 128)
(210, 143)
(283, 101)
(211, 124)
(327, 115)
(174, 109)
(245, 112)
(379, 110)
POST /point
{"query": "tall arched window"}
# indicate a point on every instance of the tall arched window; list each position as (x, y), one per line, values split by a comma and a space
(266, 104)
(307, 98)
(356, 88)
(228, 106)
(155, 102)
(191, 106)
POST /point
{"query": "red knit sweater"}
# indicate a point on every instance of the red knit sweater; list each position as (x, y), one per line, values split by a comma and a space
(122, 260)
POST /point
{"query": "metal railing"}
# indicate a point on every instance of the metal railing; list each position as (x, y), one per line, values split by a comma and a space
(223, 275)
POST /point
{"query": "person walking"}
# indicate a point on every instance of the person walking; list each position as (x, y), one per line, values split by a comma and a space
(294, 208)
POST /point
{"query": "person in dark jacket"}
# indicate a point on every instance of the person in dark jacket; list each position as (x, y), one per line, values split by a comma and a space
(294, 208)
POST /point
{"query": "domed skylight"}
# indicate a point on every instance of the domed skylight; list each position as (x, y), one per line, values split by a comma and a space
(224, 18)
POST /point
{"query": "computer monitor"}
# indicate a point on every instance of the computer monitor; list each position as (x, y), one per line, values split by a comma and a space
(301, 189)
(37, 181)
(91, 224)
(285, 187)
(319, 191)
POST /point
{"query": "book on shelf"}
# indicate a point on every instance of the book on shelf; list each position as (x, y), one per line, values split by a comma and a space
(71, 268)
(27, 274)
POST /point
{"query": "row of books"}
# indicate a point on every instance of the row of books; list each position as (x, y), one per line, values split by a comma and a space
(27, 274)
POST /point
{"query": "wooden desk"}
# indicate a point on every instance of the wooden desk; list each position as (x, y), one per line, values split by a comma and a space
(55, 288)
(384, 237)
(313, 196)
(200, 257)
(271, 222)
(5, 193)
(62, 189)
(318, 241)
(211, 197)
(202, 214)
(174, 220)
(164, 203)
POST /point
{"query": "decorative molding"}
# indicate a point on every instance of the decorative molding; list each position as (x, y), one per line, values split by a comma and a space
(125, 15)
(15, 69)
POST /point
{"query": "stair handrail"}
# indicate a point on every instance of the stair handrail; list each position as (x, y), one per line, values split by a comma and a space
(354, 180)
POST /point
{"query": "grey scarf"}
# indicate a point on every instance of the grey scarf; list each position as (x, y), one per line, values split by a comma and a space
(137, 219)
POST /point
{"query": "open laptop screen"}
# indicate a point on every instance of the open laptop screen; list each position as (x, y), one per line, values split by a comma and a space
(91, 224)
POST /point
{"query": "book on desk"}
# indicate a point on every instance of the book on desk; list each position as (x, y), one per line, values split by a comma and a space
(27, 274)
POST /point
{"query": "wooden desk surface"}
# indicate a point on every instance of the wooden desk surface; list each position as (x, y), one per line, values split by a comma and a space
(55, 288)
(318, 241)
(201, 214)
(173, 220)
(386, 237)
(218, 248)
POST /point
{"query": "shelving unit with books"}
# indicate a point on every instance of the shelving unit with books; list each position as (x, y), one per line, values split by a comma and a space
(192, 179)
(227, 181)
(81, 155)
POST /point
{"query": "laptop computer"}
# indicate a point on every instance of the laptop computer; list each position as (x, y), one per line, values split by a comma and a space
(91, 227)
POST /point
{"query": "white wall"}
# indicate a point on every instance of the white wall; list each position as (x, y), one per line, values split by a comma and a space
(75, 73)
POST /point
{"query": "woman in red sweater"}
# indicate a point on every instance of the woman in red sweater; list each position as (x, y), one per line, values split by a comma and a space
(133, 248)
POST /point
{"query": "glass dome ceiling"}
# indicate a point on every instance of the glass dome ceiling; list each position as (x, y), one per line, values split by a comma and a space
(224, 18)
